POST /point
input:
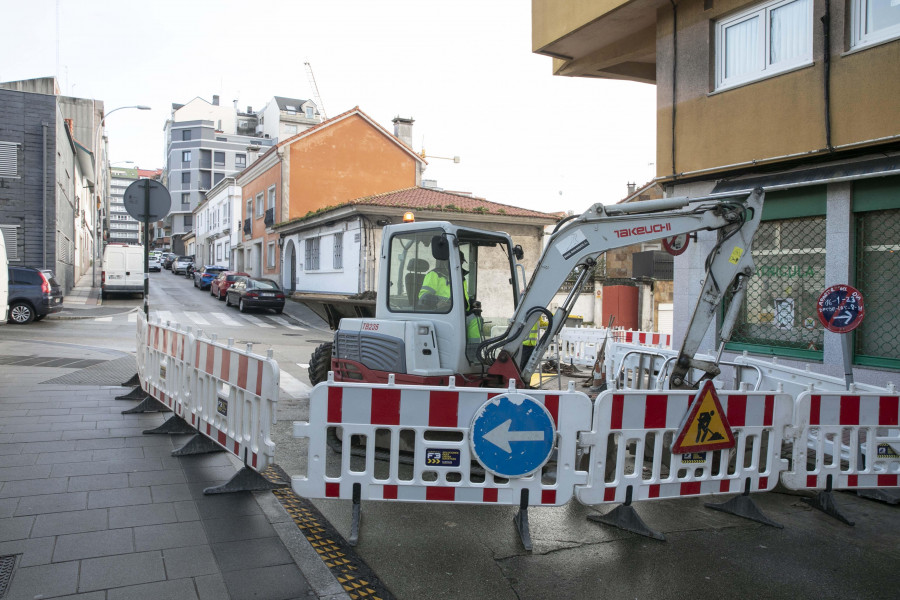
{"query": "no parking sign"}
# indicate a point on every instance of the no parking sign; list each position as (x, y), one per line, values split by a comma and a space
(840, 308)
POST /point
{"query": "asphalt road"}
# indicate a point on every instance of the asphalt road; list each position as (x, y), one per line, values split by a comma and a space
(446, 551)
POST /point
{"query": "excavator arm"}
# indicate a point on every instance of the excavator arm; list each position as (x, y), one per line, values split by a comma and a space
(576, 245)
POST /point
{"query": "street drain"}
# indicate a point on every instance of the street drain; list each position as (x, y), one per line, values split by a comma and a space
(7, 566)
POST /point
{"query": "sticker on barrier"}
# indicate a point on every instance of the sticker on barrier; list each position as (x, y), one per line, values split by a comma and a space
(415, 444)
(850, 438)
(633, 434)
(235, 400)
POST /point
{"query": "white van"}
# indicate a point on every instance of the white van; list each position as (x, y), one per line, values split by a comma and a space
(123, 270)
(4, 280)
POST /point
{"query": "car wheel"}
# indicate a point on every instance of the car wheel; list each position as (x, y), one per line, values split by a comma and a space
(278, 310)
(39, 317)
(227, 300)
(195, 283)
(241, 306)
(21, 313)
(221, 297)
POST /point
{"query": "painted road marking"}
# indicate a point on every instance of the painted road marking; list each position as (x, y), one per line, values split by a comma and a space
(293, 386)
(257, 322)
(226, 319)
(103, 319)
(196, 318)
(284, 323)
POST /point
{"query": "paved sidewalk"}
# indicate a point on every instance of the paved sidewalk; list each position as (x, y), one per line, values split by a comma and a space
(84, 294)
(89, 505)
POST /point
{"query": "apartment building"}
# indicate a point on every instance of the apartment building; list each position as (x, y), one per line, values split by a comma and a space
(215, 222)
(796, 96)
(122, 228)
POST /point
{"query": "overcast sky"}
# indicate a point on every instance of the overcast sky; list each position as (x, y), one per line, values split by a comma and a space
(464, 70)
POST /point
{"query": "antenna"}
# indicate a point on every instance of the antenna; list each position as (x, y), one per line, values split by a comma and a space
(315, 89)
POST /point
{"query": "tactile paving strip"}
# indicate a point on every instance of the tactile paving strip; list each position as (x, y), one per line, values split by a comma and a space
(352, 573)
(7, 566)
(108, 372)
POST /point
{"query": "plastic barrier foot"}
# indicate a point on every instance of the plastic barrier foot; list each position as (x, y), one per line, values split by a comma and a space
(357, 514)
(521, 521)
(133, 380)
(175, 425)
(625, 517)
(889, 496)
(245, 480)
(743, 506)
(135, 394)
(824, 501)
(198, 444)
(148, 404)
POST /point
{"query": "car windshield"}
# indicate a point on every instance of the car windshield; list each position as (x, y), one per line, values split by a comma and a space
(234, 277)
(263, 284)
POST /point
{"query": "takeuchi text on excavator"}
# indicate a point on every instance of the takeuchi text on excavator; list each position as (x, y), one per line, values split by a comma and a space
(452, 301)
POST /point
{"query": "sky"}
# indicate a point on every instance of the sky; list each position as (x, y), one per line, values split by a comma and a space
(463, 69)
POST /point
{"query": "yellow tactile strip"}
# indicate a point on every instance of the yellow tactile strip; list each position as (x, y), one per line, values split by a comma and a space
(352, 573)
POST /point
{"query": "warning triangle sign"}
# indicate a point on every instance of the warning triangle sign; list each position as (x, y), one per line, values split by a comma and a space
(705, 427)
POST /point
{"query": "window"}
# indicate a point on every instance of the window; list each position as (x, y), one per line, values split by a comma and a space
(249, 208)
(225, 214)
(270, 254)
(338, 262)
(227, 250)
(310, 112)
(188, 220)
(186, 156)
(419, 281)
(9, 159)
(185, 135)
(219, 158)
(290, 129)
(240, 161)
(270, 202)
(186, 177)
(311, 260)
(259, 204)
(219, 252)
(873, 21)
(186, 200)
(768, 39)
(789, 252)
(217, 177)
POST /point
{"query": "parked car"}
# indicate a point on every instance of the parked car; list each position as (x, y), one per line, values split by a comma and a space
(250, 292)
(123, 270)
(154, 263)
(32, 295)
(219, 286)
(203, 277)
(181, 263)
(169, 260)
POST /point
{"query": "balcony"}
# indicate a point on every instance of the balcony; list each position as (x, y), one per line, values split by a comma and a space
(269, 219)
(247, 226)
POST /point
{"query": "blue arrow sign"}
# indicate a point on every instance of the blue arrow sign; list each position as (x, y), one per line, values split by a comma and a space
(512, 435)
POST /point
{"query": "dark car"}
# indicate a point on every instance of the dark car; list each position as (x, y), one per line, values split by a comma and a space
(168, 260)
(249, 292)
(225, 280)
(32, 295)
(203, 277)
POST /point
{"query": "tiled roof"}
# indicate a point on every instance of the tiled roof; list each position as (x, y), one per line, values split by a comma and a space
(419, 198)
(283, 103)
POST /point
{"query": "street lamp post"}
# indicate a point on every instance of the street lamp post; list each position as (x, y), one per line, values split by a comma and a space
(97, 138)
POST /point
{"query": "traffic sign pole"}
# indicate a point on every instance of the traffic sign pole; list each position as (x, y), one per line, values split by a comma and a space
(841, 309)
(147, 249)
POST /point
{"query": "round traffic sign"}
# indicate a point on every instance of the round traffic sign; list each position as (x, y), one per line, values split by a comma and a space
(840, 308)
(137, 203)
(676, 244)
(512, 435)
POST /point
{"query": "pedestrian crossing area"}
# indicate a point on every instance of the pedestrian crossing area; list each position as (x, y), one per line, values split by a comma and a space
(213, 319)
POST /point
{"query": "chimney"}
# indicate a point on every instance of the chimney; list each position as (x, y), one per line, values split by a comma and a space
(249, 110)
(631, 188)
(215, 100)
(253, 153)
(403, 129)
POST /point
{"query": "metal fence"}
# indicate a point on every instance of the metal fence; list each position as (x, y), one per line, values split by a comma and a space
(780, 307)
(877, 274)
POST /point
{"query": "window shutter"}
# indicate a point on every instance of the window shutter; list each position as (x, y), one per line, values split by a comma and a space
(9, 159)
(11, 238)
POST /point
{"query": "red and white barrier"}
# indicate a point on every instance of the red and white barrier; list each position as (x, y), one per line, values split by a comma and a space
(865, 426)
(165, 372)
(632, 435)
(235, 394)
(436, 422)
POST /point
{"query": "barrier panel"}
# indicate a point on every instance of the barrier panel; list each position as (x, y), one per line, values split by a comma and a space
(867, 428)
(164, 371)
(579, 345)
(430, 452)
(632, 436)
(235, 395)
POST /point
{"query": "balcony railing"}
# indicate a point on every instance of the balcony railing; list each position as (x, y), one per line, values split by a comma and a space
(269, 219)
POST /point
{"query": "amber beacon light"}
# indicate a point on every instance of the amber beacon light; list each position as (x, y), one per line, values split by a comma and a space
(409, 217)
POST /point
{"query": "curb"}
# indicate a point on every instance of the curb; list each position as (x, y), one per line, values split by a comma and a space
(59, 317)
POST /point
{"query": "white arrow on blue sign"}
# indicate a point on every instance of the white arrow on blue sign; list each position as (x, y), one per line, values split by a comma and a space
(512, 435)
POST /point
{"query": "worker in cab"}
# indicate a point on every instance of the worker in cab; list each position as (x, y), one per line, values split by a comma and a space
(474, 329)
(435, 290)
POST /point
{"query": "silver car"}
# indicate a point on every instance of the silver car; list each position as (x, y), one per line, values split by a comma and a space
(181, 263)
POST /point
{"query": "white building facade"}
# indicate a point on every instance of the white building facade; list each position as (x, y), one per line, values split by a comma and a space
(215, 219)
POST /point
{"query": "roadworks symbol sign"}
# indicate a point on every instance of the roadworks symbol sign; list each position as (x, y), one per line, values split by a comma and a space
(705, 426)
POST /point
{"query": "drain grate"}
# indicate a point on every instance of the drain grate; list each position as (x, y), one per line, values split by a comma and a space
(48, 361)
(7, 566)
(107, 372)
